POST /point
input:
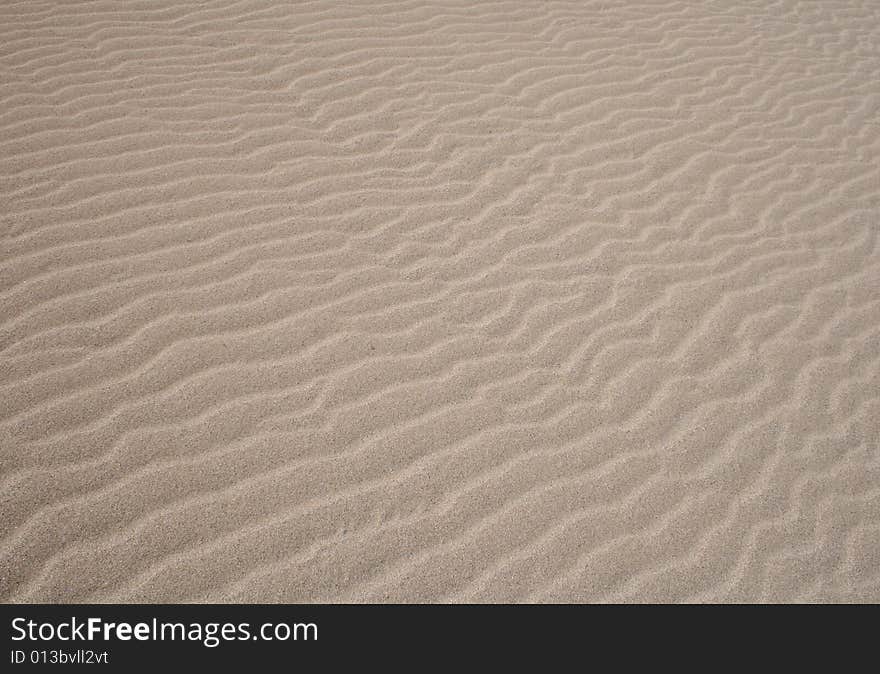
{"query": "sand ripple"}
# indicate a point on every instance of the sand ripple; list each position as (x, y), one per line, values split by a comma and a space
(440, 301)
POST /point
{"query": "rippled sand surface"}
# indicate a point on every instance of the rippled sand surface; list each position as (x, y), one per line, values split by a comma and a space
(439, 301)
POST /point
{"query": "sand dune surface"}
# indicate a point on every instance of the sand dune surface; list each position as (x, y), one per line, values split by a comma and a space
(439, 301)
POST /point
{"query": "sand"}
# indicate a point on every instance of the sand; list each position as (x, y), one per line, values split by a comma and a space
(440, 301)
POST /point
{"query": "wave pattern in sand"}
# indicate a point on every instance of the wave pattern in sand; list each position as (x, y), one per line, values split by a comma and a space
(440, 301)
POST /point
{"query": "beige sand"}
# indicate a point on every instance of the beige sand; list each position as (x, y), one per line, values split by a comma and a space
(440, 301)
